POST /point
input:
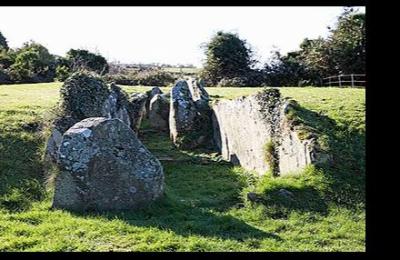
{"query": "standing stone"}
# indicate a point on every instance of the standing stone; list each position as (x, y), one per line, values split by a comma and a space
(151, 93)
(84, 96)
(103, 166)
(255, 132)
(137, 109)
(189, 119)
(159, 112)
(199, 93)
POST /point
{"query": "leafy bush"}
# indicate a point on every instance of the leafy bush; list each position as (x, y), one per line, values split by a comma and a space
(62, 73)
(227, 56)
(33, 63)
(82, 94)
(4, 77)
(3, 42)
(150, 77)
(83, 59)
(233, 82)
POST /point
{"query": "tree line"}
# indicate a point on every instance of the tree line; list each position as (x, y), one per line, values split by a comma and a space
(229, 61)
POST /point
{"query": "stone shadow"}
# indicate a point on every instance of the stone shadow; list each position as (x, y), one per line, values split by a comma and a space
(346, 146)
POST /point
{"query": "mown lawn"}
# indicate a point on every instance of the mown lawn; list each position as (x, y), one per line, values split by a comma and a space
(205, 207)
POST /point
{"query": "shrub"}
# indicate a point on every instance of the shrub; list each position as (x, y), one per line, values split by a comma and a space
(62, 73)
(227, 56)
(83, 94)
(233, 82)
(33, 63)
(4, 77)
(83, 59)
(150, 77)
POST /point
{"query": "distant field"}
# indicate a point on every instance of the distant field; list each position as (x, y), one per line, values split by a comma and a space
(182, 70)
(204, 208)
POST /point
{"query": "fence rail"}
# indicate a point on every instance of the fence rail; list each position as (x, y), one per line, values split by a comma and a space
(354, 80)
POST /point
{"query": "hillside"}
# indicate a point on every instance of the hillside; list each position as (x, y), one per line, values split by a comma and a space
(205, 208)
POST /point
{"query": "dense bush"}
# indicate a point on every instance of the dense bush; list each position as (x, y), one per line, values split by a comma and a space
(3, 42)
(227, 57)
(4, 77)
(33, 63)
(83, 59)
(149, 77)
(81, 93)
(342, 52)
(62, 72)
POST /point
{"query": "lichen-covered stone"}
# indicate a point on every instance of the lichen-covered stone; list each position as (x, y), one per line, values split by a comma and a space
(243, 127)
(159, 112)
(137, 110)
(189, 119)
(103, 166)
(84, 96)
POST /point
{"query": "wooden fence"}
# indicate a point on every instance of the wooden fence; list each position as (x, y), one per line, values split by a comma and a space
(353, 80)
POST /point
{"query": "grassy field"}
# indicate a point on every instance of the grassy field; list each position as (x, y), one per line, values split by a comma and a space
(205, 207)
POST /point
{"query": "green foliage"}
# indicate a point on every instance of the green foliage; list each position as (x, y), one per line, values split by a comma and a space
(83, 59)
(62, 73)
(347, 43)
(343, 52)
(270, 156)
(7, 58)
(3, 42)
(82, 94)
(33, 63)
(227, 56)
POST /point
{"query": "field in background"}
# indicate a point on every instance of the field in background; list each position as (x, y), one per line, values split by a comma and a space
(205, 207)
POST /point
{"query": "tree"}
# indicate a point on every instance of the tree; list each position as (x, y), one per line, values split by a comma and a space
(285, 70)
(83, 59)
(347, 42)
(33, 63)
(3, 42)
(227, 56)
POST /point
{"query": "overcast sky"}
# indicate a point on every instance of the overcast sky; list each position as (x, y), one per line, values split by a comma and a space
(162, 34)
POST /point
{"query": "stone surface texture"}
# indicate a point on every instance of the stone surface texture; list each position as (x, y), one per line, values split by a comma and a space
(103, 166)
(190, 115)
(159, 112)
(243, 127)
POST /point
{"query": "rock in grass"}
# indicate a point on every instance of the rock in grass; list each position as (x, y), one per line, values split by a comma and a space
(159, 112)
(103, 166)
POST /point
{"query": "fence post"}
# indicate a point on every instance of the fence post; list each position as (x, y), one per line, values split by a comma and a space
(340, 81)
(329, 81)
(352, 80)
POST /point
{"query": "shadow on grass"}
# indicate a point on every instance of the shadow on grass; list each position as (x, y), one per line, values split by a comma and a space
(22, 177)
(185, 219)
(346, 171)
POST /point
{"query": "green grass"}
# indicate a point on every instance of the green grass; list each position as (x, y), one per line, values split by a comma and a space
(205, 207)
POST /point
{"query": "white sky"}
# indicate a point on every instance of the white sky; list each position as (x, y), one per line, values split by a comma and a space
(162, 34)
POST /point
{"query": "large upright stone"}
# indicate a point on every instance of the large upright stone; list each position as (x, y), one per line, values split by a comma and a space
(103, 166)
(159, 112)
(189, 118)
(84, 96)
(256, 133)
